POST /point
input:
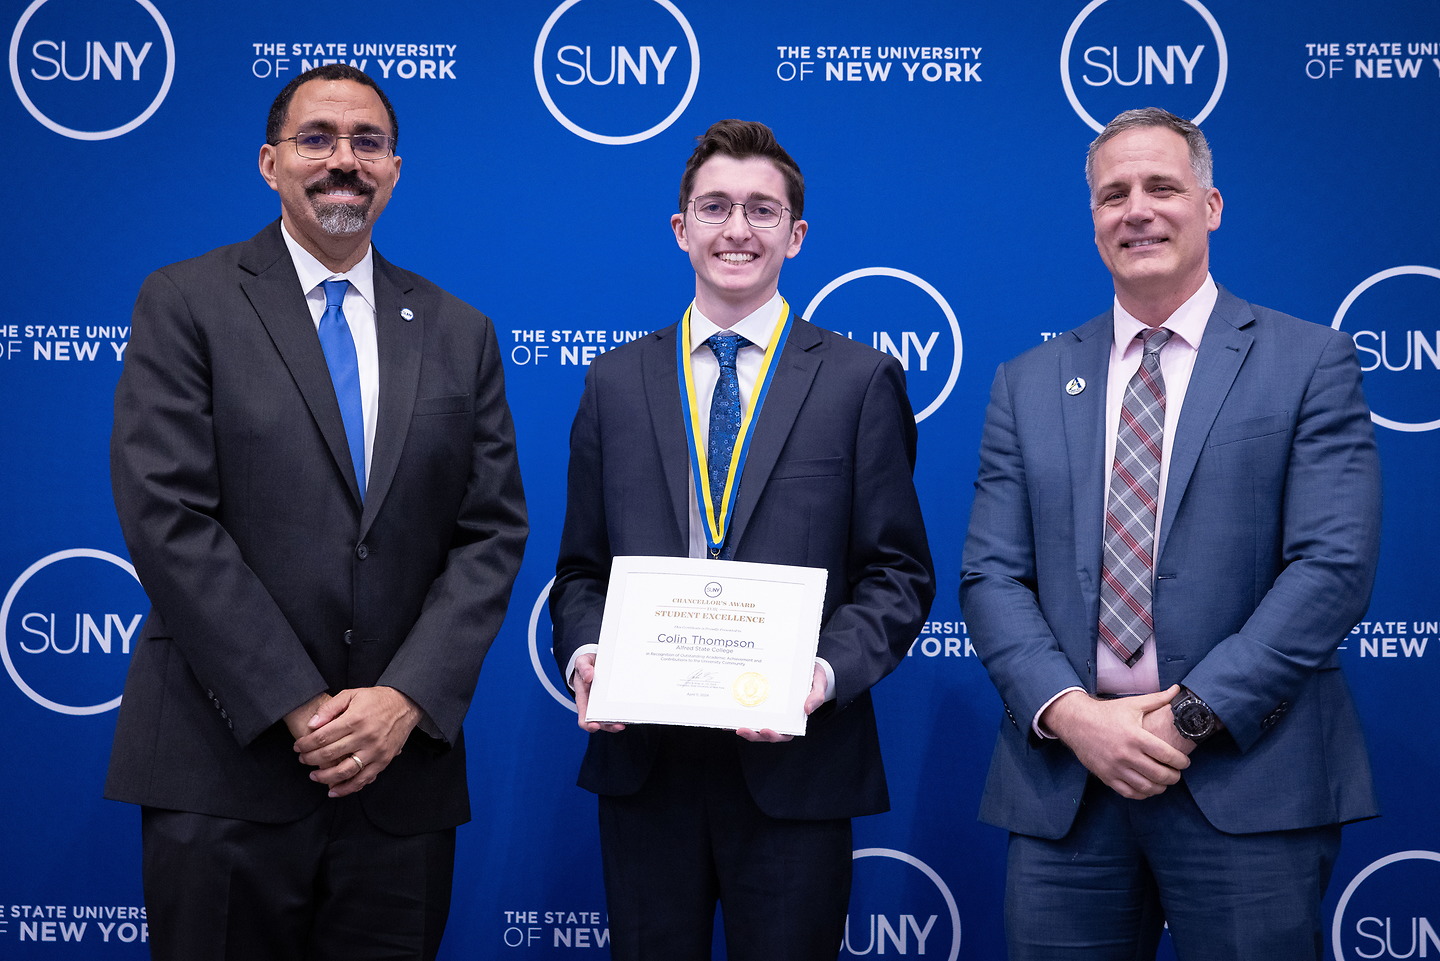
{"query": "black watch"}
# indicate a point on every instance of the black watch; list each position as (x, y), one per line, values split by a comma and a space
(1193, 717)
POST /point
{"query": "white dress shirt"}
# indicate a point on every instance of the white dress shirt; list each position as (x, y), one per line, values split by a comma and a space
(359, 308)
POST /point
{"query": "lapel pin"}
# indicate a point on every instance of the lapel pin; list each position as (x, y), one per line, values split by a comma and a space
(407, 314)
(1075, 386)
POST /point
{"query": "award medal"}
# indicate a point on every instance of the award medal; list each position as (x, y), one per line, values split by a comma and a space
(717, 516)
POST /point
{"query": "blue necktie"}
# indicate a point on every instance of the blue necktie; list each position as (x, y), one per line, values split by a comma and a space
(724, 413)
(339, 348)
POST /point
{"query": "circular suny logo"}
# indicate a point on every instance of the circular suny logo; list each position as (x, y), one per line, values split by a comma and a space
(1400, 357)
(1121, 53)
(544, 666)
(92, 71)
(899, 905)
(616, 71)
(1390, 910)
(67, 627)
(926, 339)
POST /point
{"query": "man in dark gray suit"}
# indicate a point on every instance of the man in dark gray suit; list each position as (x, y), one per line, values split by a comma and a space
(314, 467)
(753, 819)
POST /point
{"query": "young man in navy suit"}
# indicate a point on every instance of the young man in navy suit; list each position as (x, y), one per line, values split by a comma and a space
(314, 468)
(1175, 525)
(756, 820)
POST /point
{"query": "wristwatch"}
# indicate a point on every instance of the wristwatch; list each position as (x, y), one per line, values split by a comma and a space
(1193, 717)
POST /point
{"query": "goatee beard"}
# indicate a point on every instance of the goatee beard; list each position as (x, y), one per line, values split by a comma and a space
(341, 220)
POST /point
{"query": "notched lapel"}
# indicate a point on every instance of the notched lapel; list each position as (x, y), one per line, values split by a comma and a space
(1086, 354)
(798, 367)
(274, 292)
(667, 424)
(400, 343)
(1217, 364)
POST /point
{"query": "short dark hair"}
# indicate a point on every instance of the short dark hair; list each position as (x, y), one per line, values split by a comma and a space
(330, 71)
(741, 139)
(1202, 164)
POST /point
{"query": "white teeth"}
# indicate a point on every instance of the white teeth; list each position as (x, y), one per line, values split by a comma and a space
(1141, 243)
(737, 258)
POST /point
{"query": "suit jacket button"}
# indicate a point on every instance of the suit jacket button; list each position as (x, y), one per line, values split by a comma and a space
(362, 552)
(348, 637)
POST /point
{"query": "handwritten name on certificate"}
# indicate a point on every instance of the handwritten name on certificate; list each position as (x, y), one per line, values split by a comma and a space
(707, 643)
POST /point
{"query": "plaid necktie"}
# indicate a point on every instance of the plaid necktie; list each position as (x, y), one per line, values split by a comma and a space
(1125, 620)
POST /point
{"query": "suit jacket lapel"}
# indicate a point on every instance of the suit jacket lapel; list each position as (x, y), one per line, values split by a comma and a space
(400, 342)
(1085, 354)
(273, 289)
(667, 423)
(782, 405)
(1222, 351)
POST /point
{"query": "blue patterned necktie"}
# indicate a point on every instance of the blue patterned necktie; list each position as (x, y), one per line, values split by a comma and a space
(724, 413)
(1126, 623)
(339, 348)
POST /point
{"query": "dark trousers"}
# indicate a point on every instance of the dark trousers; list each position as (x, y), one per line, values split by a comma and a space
(1105, 890)
(329, 886)
(692, 837)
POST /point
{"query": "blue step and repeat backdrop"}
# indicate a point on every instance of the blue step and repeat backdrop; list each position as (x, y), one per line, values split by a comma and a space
(943, 143)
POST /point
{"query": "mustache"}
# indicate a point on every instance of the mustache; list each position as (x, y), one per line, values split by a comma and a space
(340, 180)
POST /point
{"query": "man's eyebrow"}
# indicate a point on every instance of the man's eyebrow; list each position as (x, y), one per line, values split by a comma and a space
(754, 195)
(329, 126)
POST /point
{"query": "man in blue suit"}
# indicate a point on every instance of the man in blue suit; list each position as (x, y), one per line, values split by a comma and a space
(759, 821)
(1175, 524)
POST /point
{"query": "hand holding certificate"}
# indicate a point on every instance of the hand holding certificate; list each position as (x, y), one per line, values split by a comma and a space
(707, 643)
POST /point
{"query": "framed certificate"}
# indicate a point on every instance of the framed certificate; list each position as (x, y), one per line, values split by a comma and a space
(707, 643)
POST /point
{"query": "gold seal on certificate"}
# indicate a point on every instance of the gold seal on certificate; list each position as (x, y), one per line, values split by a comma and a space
(707, 643)
(751, 688)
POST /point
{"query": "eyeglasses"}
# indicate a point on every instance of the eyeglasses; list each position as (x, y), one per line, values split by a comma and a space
(758, 213)
(318, 145)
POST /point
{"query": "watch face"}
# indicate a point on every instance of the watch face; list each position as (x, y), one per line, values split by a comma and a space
(1194, 719)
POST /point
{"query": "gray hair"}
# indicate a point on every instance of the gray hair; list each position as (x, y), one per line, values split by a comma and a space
(1201, 162)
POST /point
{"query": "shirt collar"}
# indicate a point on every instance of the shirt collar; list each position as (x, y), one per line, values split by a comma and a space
(313, 273)
(1188, 322)
(758, 327)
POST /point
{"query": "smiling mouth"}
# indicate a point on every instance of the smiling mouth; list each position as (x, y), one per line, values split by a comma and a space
(340, 189)
(736, 258)
(1130, 245)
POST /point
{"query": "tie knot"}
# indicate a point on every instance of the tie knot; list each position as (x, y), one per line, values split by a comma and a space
(1155, 338)
(726, 346)
(335, 292)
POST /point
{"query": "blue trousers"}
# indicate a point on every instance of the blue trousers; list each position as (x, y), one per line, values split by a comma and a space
(1105, 891)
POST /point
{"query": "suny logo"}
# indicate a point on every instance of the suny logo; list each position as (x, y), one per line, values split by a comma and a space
(67, 627)
(540, 657)
(608, 68)
(91, 71)
(1390, 910)
(1172, 49)
(929, 348)
(896, 912)
(1396, 330)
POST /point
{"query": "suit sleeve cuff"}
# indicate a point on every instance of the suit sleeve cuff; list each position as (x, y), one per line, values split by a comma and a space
(829, 678)
(570, 664)
(1035, 725)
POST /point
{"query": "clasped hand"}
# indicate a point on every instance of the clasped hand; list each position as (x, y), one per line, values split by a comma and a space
(1129, 743)
(368, 723)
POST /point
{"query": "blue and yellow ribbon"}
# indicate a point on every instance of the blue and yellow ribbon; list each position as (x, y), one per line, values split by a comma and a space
(717, 517)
